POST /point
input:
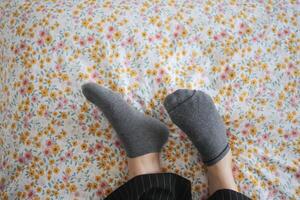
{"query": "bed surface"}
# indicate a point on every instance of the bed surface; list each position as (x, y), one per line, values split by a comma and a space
(56, 145)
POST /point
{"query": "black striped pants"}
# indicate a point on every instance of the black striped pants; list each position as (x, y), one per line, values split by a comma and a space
(164, 186)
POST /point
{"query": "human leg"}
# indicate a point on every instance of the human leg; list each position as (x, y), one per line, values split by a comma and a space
(143, 137)
(195, 113)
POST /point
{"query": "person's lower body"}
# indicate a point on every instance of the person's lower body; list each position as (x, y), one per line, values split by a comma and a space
(143, 138)
(165, 186)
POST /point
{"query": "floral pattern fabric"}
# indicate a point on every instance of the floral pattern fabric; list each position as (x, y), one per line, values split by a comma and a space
(54, 144)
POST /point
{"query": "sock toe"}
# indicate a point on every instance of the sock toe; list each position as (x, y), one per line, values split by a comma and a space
(95, 93)
(88, 91)
(176, 98)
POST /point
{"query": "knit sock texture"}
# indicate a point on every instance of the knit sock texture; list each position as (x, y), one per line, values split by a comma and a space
(195, 114)
(139, 134)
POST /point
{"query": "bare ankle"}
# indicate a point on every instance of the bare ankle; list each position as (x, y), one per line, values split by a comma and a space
(146, 164)
(220, 175)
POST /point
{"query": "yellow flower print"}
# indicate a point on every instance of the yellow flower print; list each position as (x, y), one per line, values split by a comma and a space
(44, 92)
(231, 75)
(55, 170)
(117, 35)
(48, 39)
(73, 188)
(291, 116)
(53, 94)
(55, 149)
(68, 171)
(253, 131)
(64, 115)
(83, 146)
(215, 69)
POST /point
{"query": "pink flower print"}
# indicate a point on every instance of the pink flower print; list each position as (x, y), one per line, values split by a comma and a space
(158, 80)
(25, 82)
(158, 36)
(223, 34)
(65, 101)
(109, 36)
(182, 137)
(69, 154)
(227, 69)
(95, 114)
(247, 125)
(22, 91)
(28, 155)
(99, 146)
(99, 193)
(65, 178)
(161, 71)
(34, 99)
(90, 39)
(42, 33)
(295, 133)
(245, 187)
(94, 75)
(21, 160)
(265, 137)
(242, 26)
(40, 42)
(48, 143)
(223, 76)
(216, 37)
(118, 143)
(22, 45)
(103, 184)
(244, 132)
(26, 125)
(150, 39)
(16, 51)
(53, 49)
(47, 152)
(234, 169)
(178, 28)
(73, 106)
(175, 34)
(91, 150)
(264, 158)
(298, 175)
(60, 105)
(82, 42)
(30, 194)
(60, 45)
(130, 40)
(58, 67)
(111, 29)
(228, 132)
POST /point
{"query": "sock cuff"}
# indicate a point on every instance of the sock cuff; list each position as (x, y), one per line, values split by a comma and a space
(219, 157)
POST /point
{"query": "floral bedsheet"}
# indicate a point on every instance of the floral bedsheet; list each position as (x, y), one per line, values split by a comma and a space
(56, 145)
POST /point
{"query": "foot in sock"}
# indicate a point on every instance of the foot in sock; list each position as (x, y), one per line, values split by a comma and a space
(140, 134)
(194, 113)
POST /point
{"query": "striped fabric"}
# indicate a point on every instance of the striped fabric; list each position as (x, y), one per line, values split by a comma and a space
(225, 194)
(164, 186)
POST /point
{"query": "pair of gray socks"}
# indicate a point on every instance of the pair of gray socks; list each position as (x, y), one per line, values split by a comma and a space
(192, 111)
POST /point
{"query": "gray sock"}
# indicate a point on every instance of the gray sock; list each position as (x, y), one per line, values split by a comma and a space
(140, 134)
(195, 113)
